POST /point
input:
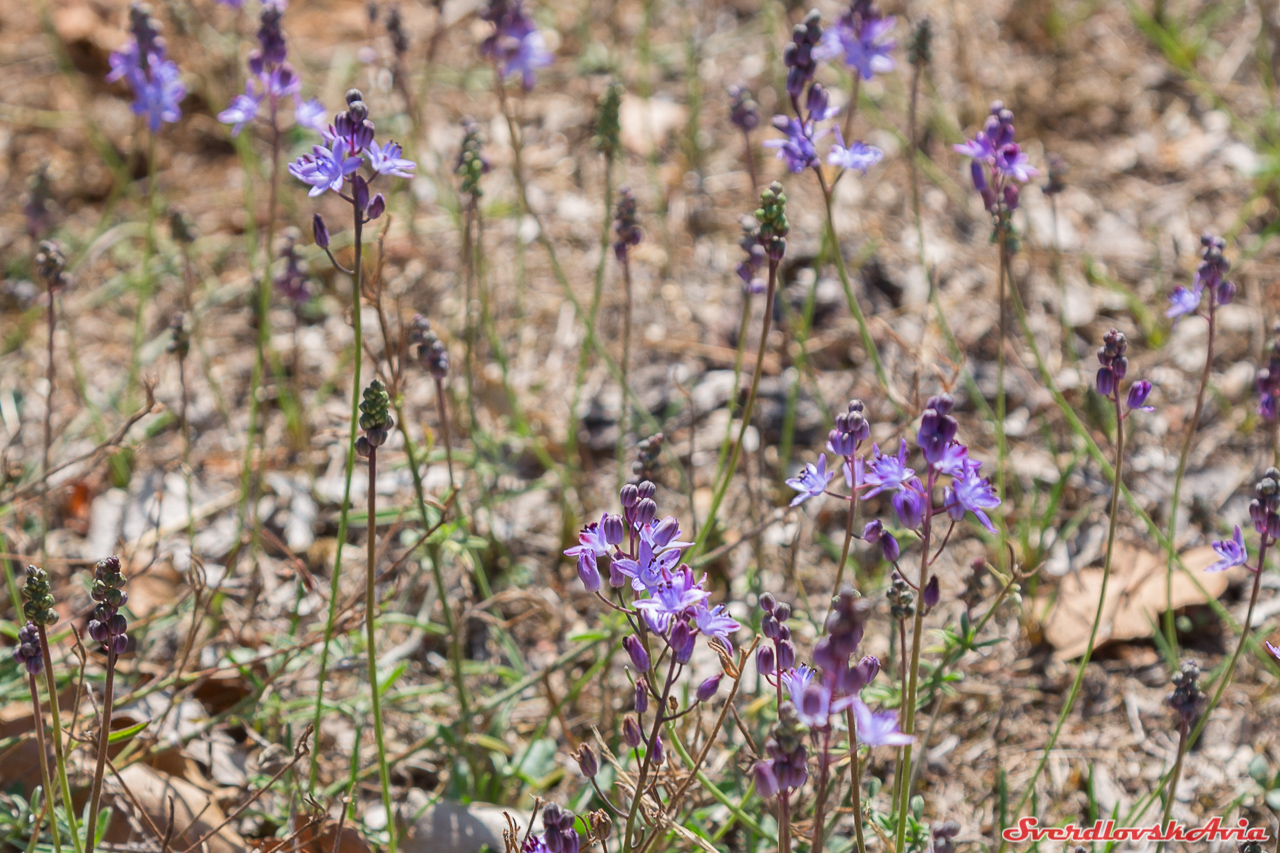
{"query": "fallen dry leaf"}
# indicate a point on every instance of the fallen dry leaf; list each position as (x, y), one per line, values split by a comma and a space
(1135, 597)
(194, 814)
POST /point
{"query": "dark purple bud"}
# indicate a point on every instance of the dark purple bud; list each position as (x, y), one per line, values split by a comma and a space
(98, 631)
(617, 579)
(889, 546)
(1106, 381)
(646, 509)
(825, 655)
(932, 593)
(613, 528)
(1138, 393)
(360, 191)
(642, 695)
(769, 626)
(635, 649)
(1120, 366)
(979, 176)
(587, 571)
(908, 506)
(765, 661)
(659, 752)
(1258, 515)
(646, 489)
(377, 207)
(708, 688)
(768, 602)
(782, 612)
(320, 230)
(1011, 193)
(1226, 292)
(587, 762)
(665, 531)
(868, 668)
(816, 103)
(766, 781)
(784, 632)
(631, 731)
(1273, 525)
(120, 644)
(681, 641)
(786, 655)
(628, 496)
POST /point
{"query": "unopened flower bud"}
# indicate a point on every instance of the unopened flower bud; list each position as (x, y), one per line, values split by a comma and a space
(587, 762)
(768, 602)
(765, 661)
(931, 593)
(320, 230)
(635, 649)
(642, 695)
(708, 688)
(631, 731)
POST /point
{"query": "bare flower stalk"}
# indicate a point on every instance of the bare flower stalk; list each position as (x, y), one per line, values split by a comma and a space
(104, 737)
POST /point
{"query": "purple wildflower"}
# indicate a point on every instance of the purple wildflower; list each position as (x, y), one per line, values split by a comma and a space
(311, 115)
(998, 162)
(516, 46)
(1231, 551)
(716, 622)
(878, 729)
(650, 568)
(856, 155)
(1183, 301)
(1275, 650)
(797, 150)
(242, 110)
(886, 473)
(972, 493)
(28, 652)
(1138, 393)
(860, 39)
(674, 596)
(386, 160)
(325, 168)
(812, 481)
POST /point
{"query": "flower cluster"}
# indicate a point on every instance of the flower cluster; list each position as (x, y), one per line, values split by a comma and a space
(431, 351)
(349, 144)
(648, 458)
(860, 38)
(881, 473)
(144, 63)
(516, 46)
(809, 100)
(626, 229)
(1264, 512)
(51, 265)
(471, 161)
(38, 592)
(375, 418)
(28, 652)
(271, 79)
(1187, 698)
(558, 834)
(749, 267)
(811, 697)
(108, 625)
(744, 112)
(1269, 385)
(999, 164)
(1115, 365)
(1210, 275)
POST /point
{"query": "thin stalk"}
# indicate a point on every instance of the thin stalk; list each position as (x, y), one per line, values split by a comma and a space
(149, 247)
(749, 156)
(848, 540)
(186, 456)
(44, 767)
(855, 777)
(624, 420)
(784, 822)
(59, 756)
(723, 487)
(642, 779)
(1002, 445)
(469, 218)
(444, 428)
(909, 703)
(824, 773)
(346, 498)
(371, 647)
(104, 736)
(1097, 618)
(868, 343)
(49, 373)
(852, 109)
(1170, 632)
(1176, 774)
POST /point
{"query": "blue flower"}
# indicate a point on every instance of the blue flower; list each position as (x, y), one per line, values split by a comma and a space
(650, 568)
(242, 110)
(972, 493)
(812, 481)
(879, 729)
(159, 94)
(325, 168)
(386, 160)
(1183, 301)
(797, 149)
(1275, 650)
(311, 114)
(673, 597)
(888, 472)
(716, 622)
(857, 155)
(1231, 551)
(863, 44)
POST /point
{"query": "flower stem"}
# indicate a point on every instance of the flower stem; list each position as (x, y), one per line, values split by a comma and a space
(848, 540)
(1002, 445)
(718, 497)
(104, 736)
(1176, 774)
(441, 407)
(1116, 485)
(1170, 631)
(49, 375)
(371, 647)
(824, 773)
(855, 778)
(44, 767)
(336, 577)
(59, 755)
(909, 702)
(642, 779)
(624, 419)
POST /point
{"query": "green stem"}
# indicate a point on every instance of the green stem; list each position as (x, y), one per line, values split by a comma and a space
(624, 419)
(1002, 445)
(49, 375)
(371, 646)
(723, 487)
(346, 500)
(642, 780)
(855, 777)
(1176, 775)
(44, 767)
(1170, 632)
(1097, 618)
(104, 737)
(59, 756)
